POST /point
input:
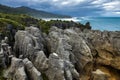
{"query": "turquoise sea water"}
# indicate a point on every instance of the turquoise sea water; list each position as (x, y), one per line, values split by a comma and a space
(102, 23)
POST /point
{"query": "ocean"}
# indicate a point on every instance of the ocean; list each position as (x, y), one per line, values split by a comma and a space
(97, 23)
(102, 23)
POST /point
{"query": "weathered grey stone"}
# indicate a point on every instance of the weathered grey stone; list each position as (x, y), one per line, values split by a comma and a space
(70, 47)
(30, 44)
(56, 68)
(37, 37)
(72, 51)
(5, 53)
(60, 69)
(87, 49)
(41, 62)
(16, 70)
(32, 72)
(2, 59)
(106, 45)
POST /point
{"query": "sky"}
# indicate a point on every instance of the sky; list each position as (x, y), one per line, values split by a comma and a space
(71, 7)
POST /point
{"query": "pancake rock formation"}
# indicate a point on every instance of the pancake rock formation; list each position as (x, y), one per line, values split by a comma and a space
(63, 54)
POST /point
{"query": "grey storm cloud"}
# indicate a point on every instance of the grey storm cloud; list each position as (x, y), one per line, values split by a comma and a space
(72, 7)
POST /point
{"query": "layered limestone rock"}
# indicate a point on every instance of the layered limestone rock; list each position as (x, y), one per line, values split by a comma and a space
(28, 44)
(31, 71)
(87, 50)
(22, 70)
(5, 53)
(60, 69)
(69, 54)
(71, 48)
(99, 75)
(105, 46)
(16, 70)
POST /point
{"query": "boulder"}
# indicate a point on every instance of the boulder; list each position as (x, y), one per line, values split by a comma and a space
(70, 47)
(30, 44)
(106, 46)
(60, 69)
(16, 70)
(41, 61)
(5, 53)
(85, 50)
(31, 71)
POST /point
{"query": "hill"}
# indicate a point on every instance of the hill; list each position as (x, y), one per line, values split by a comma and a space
(29, 11)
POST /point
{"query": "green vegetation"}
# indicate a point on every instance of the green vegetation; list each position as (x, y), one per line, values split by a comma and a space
(17, 21)
(18, 18)
(30, 12)
(44, 76)
(10, 23)
(1, 74)
(20, 21)
(45, 25)
(5, 22)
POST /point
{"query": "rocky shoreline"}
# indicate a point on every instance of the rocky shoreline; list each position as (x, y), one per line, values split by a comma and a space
(63, 54)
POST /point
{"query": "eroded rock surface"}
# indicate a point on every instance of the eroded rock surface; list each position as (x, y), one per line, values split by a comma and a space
(70, 47)
(22, 70)
(69, 54)
(86, 50)
(30, 44)
(16, 70)
(5, 53)
(31, 71)
(99, 75)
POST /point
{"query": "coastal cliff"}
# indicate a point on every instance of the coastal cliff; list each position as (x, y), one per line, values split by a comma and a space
(64, 54)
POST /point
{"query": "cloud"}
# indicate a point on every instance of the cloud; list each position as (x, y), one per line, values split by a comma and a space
(112, 8)
(109, 7)
(57, 3)
(72, 7)
(67, 2)
(114, 5)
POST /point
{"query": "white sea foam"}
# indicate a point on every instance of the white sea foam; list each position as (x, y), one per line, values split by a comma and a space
(63, 19)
